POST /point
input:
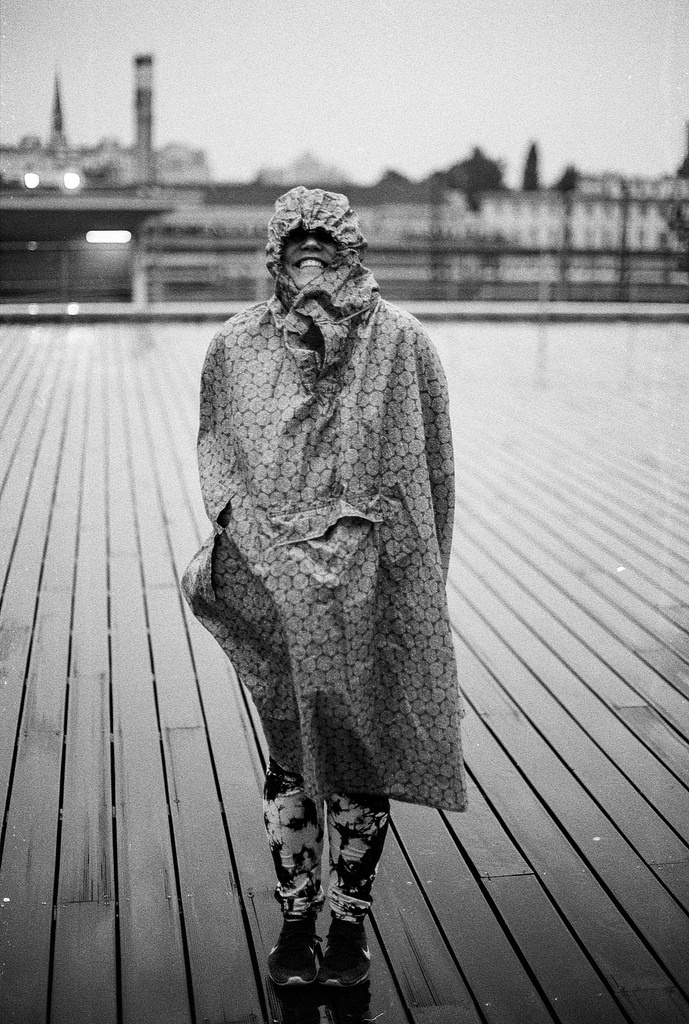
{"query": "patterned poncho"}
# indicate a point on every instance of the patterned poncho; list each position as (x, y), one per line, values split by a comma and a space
(329, 483)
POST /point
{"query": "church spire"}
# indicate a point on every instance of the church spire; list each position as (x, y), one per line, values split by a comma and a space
(57, 131)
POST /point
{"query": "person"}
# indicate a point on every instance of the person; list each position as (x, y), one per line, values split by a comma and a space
(326, 467)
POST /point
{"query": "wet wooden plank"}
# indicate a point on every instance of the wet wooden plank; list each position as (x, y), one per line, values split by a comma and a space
(585, 546)
(153, 967)
(573, 991)
(615, 852)
(16, 359)
(222, 971)
(27, 874)
(568, 599)
(227, 716)
(31, 485)
(538, 931)
(27, 871)
(423, 964)
(529, 913)
(607, 495)
(607, 564)
(542, 809)
(596, 746)
(240, 773)
(611, 944)
(667, 746)
(565, 919)
(606, 666)
(504, 991)
(647, 593)
(26, 409)
(632, 446)
(85, 963)
(241, 801)
(640, 513)
(523, 590)
(417, 996)
(549, 431)
(212, 904)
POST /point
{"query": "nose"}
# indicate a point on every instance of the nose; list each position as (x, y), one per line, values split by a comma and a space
(311, 241)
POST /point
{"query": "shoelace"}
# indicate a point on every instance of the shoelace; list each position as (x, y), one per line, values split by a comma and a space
(352, 943)
(293, 938)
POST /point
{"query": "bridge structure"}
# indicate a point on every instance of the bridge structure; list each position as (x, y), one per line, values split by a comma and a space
(135, 879)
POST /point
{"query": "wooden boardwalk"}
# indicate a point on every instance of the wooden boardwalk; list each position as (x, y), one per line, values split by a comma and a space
(135, 881)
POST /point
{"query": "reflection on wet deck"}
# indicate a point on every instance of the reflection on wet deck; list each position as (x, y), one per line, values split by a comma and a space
(135, 881)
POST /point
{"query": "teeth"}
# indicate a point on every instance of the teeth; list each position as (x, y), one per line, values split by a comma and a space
(311, 263)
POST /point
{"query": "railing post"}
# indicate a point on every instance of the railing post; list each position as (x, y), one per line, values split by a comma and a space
(566, 244)
(139, 272)
(623, 284)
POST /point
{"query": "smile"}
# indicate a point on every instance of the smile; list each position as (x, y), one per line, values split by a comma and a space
(309, 261)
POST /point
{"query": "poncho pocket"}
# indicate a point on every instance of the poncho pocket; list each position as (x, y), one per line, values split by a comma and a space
(197, 581)
(317, 554)
(295, 525)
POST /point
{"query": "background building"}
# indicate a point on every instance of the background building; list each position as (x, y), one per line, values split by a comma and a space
(605, 240)
(35, 163)
(458, 234)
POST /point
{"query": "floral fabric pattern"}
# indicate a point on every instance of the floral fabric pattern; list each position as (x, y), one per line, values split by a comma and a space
(330, 487)
(357, 827)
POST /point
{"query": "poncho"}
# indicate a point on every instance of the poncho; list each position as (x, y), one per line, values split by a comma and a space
(330, 486)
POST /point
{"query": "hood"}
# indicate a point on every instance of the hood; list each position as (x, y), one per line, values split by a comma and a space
(346, 287)
(312, 208)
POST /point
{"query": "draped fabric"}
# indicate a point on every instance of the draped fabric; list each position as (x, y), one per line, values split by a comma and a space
(329, 482)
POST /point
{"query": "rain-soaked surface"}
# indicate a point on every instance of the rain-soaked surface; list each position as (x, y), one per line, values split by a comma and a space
(135, 880)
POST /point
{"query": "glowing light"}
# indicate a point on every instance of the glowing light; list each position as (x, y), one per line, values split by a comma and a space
(71, 180)
(73, 308)
(118, 237)
(32, 246)
(31, 180)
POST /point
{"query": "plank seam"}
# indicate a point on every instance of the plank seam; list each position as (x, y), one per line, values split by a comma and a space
(569, 838)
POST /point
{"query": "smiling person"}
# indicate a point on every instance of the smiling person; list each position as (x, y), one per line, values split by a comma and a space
(326, 467)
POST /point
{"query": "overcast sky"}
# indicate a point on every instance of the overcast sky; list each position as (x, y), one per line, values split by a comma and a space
(365, 84)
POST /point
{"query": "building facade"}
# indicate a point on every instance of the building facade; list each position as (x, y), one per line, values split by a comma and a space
(593, 243)
(609, 237)
(55, 163)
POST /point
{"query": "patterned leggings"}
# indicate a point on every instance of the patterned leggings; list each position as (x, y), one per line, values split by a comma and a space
(357, 826)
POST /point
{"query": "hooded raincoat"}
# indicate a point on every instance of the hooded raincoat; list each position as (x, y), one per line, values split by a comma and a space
(329, 481)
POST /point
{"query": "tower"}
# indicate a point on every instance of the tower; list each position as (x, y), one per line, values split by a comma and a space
(143, 113)
(683, 169)
(57, 131)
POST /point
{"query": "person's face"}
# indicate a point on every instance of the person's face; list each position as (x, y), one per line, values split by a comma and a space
(307, 254)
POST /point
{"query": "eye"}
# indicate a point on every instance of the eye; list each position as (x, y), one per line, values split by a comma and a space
(295, 237)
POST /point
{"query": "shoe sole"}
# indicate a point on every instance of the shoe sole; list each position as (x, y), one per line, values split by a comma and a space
(337, 983)
(291, 981)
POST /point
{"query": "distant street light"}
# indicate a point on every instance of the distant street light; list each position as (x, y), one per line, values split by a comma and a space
(71, 180)
(31, 180)
(108, 237)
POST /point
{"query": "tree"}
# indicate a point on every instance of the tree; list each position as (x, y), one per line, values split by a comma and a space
(478, 173)
(393, 178)
(531, 181)
(569, 180)
(678, 222)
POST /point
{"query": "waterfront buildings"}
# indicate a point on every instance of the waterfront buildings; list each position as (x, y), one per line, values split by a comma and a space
(57, 163)
(609, 237)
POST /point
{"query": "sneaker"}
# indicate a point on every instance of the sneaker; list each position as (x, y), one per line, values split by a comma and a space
(292, 960)
(347, 959)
